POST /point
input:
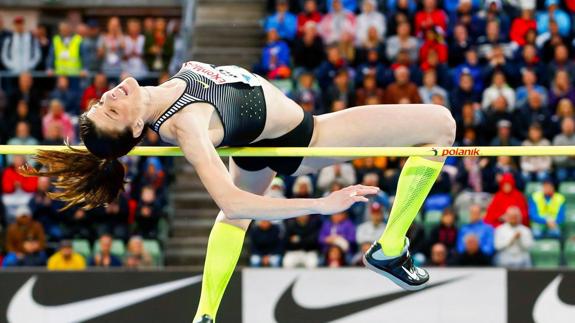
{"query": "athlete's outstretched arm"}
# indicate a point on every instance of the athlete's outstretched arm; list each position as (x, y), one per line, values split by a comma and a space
(238, 204)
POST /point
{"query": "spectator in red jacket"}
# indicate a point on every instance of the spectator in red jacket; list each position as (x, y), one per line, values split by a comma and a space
(94, 91)
(433, 42)
(508, 195)
(309, 13)
(429, 17)
(521, 25)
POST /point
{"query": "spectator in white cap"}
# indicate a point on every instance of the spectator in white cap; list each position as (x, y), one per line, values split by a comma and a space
(20, 50)
(369, 18)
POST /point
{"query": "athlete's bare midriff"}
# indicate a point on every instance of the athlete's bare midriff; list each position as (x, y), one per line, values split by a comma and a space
(282, 114)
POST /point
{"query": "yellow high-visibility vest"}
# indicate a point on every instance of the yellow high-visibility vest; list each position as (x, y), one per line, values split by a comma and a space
(67, 58)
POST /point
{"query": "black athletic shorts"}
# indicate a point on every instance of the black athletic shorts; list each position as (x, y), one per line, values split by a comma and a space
(300, 136)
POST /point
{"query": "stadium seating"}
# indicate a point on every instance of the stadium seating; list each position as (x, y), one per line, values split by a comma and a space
(82, 247)
(153, 248)
(546, 253)
(532, 187)
(431, 219)
(570, 253)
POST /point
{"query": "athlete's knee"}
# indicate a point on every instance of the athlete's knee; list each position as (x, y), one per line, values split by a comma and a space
(445, 124)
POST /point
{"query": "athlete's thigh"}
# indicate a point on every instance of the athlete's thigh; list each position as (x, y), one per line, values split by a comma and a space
(254, 182)
(376, 126)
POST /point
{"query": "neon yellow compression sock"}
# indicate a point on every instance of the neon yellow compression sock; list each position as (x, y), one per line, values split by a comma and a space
(415, 181)
(224, 248)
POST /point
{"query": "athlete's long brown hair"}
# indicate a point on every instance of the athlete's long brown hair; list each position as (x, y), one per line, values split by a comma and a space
(87, 178)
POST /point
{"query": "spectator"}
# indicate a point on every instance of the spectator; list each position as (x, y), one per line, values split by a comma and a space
(554, 13)
(533, 112)
(307, 95)
(26, 92)
(402, 41)
(159, 46)
(66, 57)
(372, 66)
(111, 48)
(95, 91)
(433, 43)
(349, 5)
(113, 218)
(17, 190)
(148, 213)
(22, 135)
(369, 90)
(301, 242)
(266, 244)
(308, 49)
(494, 38)
(32, 255)
(338, 231)
(472, 256)
(335, 256)
(498, 88)
(337, 24)
(53, 136)
(310, 13)
(529, 78)
(360, 212)
(4, 33)
(565, 110)
(513, 241)
(521, 25)
(459, 45)
(328, 69)
(504, 137)
(549, 41)
(470, 118)
(530, 59)
(472, 67)
(65, 95)
(275, 57)
(371, 230)
(66, 258)
(90, 34)
(282, 21)
(32, 121)
(402, 90)
(23, 228)
(438, 256)
(104, 257)
(20, 50)
(561, 88)
(77, 224)
(368, 19)
(479, 229)
(430, 87)
(463, 94)
(341, 90)
(547, 211)
(276, 189)
(136, 254)
(535, 167)
(430, 17)
(45, 210)
(507, 196)
(343, 173)
(134, 50)
(57, 115)
(565, 165)
(445, 232)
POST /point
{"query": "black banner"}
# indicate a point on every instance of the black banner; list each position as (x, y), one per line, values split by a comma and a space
(541, 296)
(97, 297)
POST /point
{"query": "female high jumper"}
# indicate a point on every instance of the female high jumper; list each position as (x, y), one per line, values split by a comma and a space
(203, 107)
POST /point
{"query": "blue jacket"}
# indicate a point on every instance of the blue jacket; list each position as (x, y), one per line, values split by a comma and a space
(286, 29)
(484, 233)
(560, 16)
(282, 52)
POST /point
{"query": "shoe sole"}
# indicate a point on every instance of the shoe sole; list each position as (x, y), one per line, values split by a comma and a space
(394, 279)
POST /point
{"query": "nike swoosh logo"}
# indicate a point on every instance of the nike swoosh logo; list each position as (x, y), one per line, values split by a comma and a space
(24, 309)
(410, 274)
(549, 308)
(204, 84)
(288, 310)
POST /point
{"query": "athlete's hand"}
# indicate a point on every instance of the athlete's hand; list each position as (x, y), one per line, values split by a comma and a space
(343, 199)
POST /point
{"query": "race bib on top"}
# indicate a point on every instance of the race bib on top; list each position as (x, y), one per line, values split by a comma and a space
(223, 74)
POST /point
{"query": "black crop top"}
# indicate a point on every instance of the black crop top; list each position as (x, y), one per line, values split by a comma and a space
(235, 93)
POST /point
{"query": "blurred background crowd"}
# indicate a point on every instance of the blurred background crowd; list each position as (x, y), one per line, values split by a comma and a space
(505, 69)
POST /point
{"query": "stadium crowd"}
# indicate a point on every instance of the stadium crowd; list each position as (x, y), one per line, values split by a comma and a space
(48, 77)
(505, 69)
